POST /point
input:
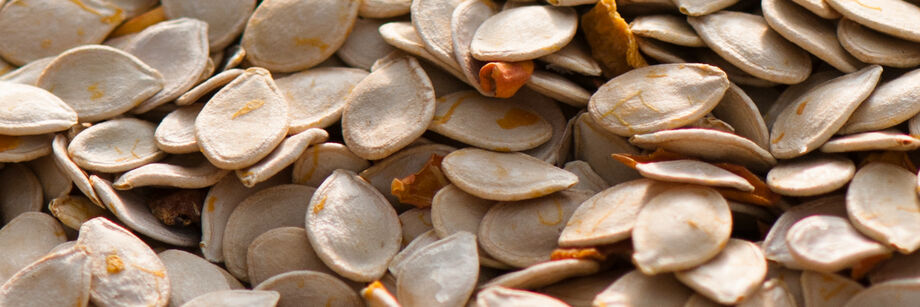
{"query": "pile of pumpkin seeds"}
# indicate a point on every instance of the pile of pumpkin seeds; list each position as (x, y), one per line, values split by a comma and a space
(459, 153)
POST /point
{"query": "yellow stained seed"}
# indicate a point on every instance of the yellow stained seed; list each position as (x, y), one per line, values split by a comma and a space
(517, 117)
(250, 106)
(113, 264)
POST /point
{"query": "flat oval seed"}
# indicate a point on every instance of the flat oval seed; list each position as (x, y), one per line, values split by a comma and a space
(417, 243)
(286, 35)
(178, 49)
(26, 239)
(774, 245)
(827, 243)
(94, 18)
(557, 87)
(125, 271)
(432, 22)
(345, 215)
(794, 92)
(892, 219)
(176, 132)
(888, 140)
(896, 18)
(219, 204)
(190, 276)
(594, 144)
(27, 109)
(823, 289)
(890, 104)
(186, 172)
(874, 47)
(694, 172)
(504, 176)
(702, 7)
(236, 298)
(28, 74)
(206, 86)
(490, 123)
(815, 35)
(399, 165)
(708, 144)
(383, 8)
(557, 148)
(115, 146)
(811, 175)
(819, 7)
(373, 129)
(774, 292)
(588, 179)
(281, 250)
(707, 56)
(892, 293)
(453, 211)
(609, 216)
(243, 122)
(318, 162)
(59, 279)
(131, 209)
(526, 232)
(72, 211)
(731, 276)
(297, 287)
(100, 82)
(640, 290)
(225, 18)
(274, 207)
(663, 52)
(580, 291)
(814, 117)
(657, 97)
(544, 274)
(403, 36)
(70, 169)
(747, 41)
(466, 18)
(289, 150)
(316, 97)
(574, 57)
(443, 273)
(506, 37)
(666, 28)
(680, 228)
(20, 192)
(739, 110)
(501, 296)
(364, 45)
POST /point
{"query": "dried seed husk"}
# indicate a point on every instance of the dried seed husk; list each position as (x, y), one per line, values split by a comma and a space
(191, 171)
(316, 97)
(896, 18)
(297, 287)
(891, 219)
(27, 238)
(465, 19)
(115, 145)
(125, 271)
(131, 209)
(680, 228)
(29, 110)
(375, 295)
(58, 279)
(399, 165)
(274, 207)
(503, 37)
(815, 35)
(175, 134)
(609, 216)
(190, 276)
(612, 43)
(775, 244)
(225, 18)
(490, 123)
(827, 243)
(889, 105)
(666, 28)
(236, 298)
(526, 232)
(178, 49)
(504, 176)
(72, 211)
(344, 215)
(811, 175)
(810, 120)
(731, 276)
(640, 290)
(281, 250)
(375, 130)
(875, 47)
(100, 82)
(746, 41)
(287, 36)
(823, 289)
(285, 154)
(442, 273)
(64, 25)
(243, 122)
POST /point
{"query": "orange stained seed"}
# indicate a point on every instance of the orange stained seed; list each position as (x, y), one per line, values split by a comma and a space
(612, 43)
(9, 142)
(589, 253)
(418, 189)
(517, 117)
(113, 264)
(505, 78)
(140, 22)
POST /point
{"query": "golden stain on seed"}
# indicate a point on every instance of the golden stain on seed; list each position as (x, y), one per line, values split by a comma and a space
(443, 119)
(801, 107)
(159, 274)
(319, 207)
(9, 142)
(114, 264)
(867, 6)
(94, 91)
(555, 221)
(312, 42)
(46, 43)
(250, 106)
(778, 138)
(315, 157)
(210, 206)
(517, 117)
